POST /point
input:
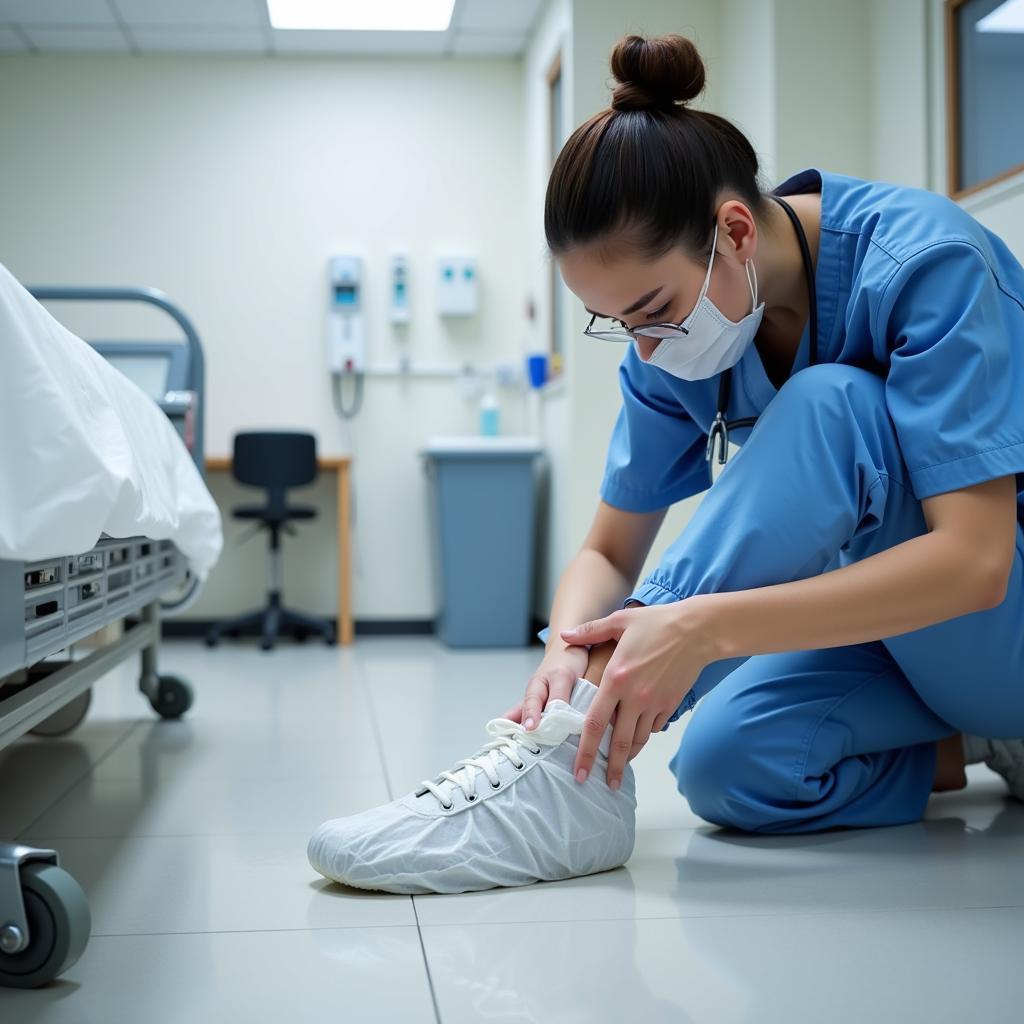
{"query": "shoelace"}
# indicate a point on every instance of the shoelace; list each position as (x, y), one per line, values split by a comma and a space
(556, 723)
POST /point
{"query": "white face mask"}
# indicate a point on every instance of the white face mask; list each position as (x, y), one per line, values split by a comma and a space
(713, 342)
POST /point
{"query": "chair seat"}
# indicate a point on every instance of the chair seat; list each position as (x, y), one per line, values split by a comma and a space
(264, 513)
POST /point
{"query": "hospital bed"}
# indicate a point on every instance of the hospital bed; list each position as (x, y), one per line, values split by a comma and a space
(49, 601)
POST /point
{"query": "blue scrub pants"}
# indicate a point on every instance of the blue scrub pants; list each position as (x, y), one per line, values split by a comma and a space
(807, 740)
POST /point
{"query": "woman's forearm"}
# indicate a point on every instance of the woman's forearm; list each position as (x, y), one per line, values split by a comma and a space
(590, 587)
(918, 583)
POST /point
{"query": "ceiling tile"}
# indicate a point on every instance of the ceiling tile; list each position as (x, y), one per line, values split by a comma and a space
(10, 41)
(77, 40)
(497, 15)
(489, 44)
(386, 44)
(58, 12)
(193, 13)
(210, 40)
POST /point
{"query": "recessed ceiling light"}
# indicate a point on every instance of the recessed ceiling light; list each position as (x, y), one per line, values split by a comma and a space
(362, 15)
(1007, 17)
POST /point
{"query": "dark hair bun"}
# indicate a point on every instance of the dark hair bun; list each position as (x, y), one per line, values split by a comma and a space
(655, 74)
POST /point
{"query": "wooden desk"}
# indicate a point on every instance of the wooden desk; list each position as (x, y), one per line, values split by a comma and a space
(341, 464)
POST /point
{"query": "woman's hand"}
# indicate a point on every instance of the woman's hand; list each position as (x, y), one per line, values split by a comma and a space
(555, 677)
(660, 652)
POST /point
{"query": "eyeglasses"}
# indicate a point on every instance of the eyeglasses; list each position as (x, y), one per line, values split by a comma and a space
(657, 331)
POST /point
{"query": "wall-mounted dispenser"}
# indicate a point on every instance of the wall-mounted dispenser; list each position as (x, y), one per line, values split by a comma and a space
(457, 287)
(346, 331)
(346, 351)
(399, 288)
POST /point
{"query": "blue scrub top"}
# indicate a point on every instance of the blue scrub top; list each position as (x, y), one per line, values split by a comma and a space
(910, 287)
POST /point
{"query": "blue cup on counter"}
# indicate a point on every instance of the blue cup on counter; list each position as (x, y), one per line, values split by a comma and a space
(537, 369)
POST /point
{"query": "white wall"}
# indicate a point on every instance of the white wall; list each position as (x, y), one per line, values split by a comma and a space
(551, 35)
(227, 182)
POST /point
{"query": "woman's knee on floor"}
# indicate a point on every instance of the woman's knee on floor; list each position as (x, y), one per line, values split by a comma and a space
(727, 776)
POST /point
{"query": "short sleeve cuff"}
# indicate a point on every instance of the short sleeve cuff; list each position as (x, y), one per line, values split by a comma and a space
(645, 501)
(968, 470)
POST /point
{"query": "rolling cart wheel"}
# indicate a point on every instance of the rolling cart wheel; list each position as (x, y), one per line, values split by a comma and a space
(59, 924)
(174, 697)
(63, 721)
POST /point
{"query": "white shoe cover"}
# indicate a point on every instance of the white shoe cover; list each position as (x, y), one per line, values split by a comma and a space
(1006, 757)
(462, 833)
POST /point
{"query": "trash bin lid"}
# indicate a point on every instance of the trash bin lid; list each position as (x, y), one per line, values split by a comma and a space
(440, 447)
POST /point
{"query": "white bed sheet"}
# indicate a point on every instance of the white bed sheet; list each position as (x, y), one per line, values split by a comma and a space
(84, 451)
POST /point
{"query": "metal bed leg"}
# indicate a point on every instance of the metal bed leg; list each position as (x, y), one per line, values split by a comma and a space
(170, 696)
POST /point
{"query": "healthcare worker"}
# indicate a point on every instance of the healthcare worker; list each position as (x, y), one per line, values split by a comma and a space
(847, 602)
(848, 599)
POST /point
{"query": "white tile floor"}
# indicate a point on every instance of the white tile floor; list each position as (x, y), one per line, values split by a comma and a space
(189, 839)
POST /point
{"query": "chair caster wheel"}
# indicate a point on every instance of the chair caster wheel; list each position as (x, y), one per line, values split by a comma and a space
(174, 697)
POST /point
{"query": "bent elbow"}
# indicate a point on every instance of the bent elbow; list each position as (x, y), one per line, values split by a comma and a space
(994, 588)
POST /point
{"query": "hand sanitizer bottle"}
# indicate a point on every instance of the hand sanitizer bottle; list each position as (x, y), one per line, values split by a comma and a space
(489, 417)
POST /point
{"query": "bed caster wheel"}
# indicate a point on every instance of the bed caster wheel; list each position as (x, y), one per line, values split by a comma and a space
(173, 697)
(58, 923)
(63, 721)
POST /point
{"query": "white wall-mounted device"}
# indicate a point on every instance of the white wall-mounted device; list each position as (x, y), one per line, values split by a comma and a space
(399, 288)
(457, 288)
(346, 344)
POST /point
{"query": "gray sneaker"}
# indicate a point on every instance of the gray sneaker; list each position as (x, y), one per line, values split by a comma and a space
(1006, 757)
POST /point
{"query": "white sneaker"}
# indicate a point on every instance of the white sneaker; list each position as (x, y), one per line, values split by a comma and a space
(511, 815)
(1003, 756)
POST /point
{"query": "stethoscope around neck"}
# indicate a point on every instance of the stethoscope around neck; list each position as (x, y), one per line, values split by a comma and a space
(721, 426)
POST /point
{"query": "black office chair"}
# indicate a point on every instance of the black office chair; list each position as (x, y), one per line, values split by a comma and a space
(275, 460)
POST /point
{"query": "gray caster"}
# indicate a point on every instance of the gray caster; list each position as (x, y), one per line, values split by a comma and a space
(63, 721)
(173, 697)
(51, 933)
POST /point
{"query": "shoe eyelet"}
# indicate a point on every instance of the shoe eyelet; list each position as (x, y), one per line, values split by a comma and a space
(448, 807)
(471, 798)
(498, 786)
(537, 751)
(519, 767)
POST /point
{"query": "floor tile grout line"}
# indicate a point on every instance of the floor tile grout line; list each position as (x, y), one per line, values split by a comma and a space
(426, 962)
(846, 911)
(247, 931)
(381, 754)
(372, 711)
(80, 779)
(829, 912)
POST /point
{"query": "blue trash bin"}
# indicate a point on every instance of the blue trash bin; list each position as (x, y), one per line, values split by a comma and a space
(484, 517)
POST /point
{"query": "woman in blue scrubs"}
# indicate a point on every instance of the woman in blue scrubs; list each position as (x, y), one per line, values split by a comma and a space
(848, 599)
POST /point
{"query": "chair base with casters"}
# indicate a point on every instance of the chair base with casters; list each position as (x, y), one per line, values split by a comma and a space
(269, 621)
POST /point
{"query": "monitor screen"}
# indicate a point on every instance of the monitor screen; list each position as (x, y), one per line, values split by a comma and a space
(148, 372)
